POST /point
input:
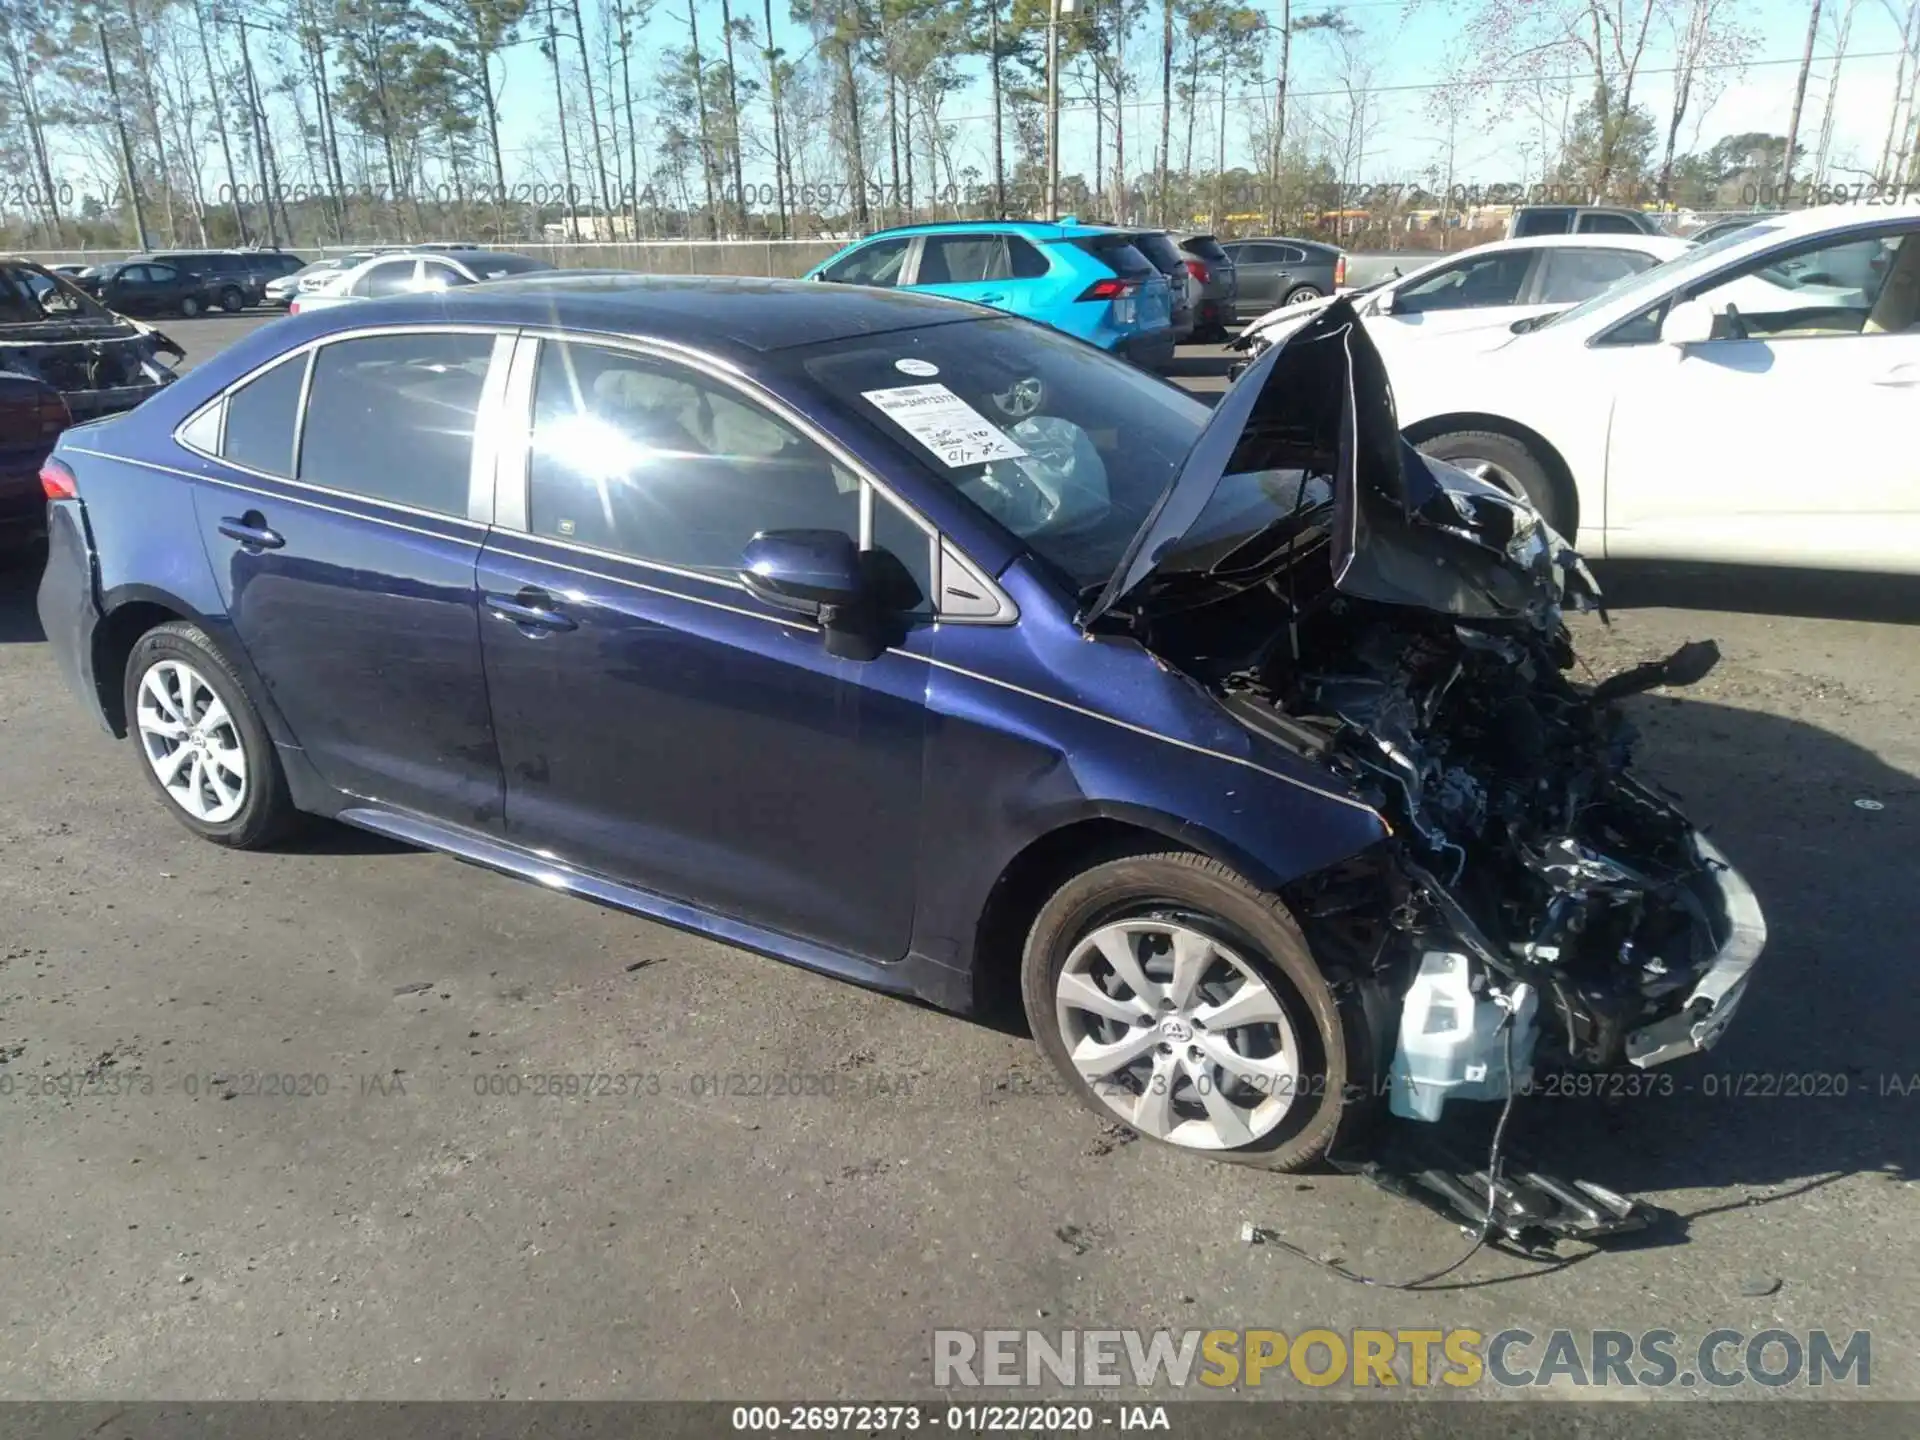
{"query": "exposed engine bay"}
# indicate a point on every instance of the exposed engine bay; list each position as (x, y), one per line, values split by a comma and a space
(1401, 624)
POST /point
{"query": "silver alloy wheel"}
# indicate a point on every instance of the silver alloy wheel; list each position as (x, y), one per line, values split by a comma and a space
(1177, 1034)
(1301, 296)
(191, 742)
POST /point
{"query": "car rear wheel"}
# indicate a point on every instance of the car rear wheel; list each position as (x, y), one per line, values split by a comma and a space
(1300, 294)
(232, 300)
(1180, 1000)
(189, 306)
(201, 742)
(1508, 463)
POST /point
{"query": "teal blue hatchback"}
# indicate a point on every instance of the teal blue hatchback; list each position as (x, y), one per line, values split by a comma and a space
(1088, 280)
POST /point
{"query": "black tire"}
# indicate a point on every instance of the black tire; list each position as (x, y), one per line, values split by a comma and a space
(1211, 897)
(266, 812)
(232, 301)
(1300, 294)
(189, 306)
(1516, 459)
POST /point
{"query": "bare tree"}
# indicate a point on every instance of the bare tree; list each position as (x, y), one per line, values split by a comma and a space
(1799, 99)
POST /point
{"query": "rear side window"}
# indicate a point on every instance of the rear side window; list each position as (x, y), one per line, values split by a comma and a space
(391, 417)
(388, 279)
(261, 417)
(648, 459)
(1604, 224)
(1570, 276)
(1118, 254)
(963, 259)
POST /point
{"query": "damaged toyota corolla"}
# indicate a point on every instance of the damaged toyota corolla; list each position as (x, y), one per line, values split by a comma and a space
(931, 649)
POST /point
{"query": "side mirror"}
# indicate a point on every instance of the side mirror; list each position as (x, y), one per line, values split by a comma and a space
(1688, 323)
(818, 573)
(1383, 302)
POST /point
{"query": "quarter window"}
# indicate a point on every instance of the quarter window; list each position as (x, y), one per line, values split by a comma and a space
(261, 419)
(391, 417)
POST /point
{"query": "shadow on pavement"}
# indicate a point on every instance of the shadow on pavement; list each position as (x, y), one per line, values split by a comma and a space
(20, 569)
(1753, 590)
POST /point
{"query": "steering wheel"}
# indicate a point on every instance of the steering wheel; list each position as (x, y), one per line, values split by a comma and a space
(1022, 398)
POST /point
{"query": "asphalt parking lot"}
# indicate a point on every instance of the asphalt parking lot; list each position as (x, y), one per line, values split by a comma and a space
(403, 1225)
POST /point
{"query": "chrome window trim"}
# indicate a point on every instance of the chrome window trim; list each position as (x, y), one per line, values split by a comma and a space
(511, 474)
(731, 377)
(299, 414)
(306, 348)
(225, 483)
(799, 622)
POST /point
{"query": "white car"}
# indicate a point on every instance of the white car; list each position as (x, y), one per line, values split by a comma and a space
(1486, 288)
(1754, 400)
(409, 272)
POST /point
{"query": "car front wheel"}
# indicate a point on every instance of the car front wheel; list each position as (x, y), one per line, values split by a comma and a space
(231, 300)
(1179, 999)
(1508, 463)
(189, 306)
(201, 742)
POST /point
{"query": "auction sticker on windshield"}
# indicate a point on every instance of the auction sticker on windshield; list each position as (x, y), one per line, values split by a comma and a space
(945, 424)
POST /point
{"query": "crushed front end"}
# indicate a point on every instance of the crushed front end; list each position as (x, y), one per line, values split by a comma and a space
(1400, 623)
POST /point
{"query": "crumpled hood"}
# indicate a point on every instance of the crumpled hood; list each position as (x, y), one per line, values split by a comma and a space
(1405, 530)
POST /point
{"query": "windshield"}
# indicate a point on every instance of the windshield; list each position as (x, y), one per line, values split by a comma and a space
(1662, 277)
(1067, 447)
(30, 295)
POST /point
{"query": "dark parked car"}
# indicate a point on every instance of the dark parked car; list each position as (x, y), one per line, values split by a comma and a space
(1212, 267)
(237, 278)
(153, 287)
(1164, 251)
(1531, 220)
(924, 646)
(1284, 272)
(62, 357)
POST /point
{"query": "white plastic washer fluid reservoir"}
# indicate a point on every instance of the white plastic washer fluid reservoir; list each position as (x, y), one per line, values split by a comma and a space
(1450, 1045)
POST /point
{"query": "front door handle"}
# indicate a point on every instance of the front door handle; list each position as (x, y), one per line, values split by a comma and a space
(988, 299)
(251, 531)
(531, 609)
(1907, 373)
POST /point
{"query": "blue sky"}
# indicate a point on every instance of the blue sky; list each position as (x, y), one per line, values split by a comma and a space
(1405, 50)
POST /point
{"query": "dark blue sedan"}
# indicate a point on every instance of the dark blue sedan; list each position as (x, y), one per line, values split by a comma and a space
(926, 647)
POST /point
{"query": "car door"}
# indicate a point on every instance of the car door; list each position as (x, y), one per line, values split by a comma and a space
(970, 266)
(657, 722)
(1787, 437)
(131, 291)
(1265, 271)
(344, 531)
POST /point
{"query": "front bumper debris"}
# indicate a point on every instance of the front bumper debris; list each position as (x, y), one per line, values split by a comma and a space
(1741, 931)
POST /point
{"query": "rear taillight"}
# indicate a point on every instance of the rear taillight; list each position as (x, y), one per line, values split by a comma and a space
(57, 482)
(1339, 272)
(293, 306)
(1111, 288)
(1198, 269)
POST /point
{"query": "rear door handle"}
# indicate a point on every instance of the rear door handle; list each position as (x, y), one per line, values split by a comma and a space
(251, 531)
(531, 608)
(988, 299)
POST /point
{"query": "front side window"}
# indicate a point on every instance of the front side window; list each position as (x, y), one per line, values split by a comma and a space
(875, 264)
(162, 274)
(391, 417)
(438, 275)
(1569, 276)
(1098, 440)
(1826, 287)
(1488, 280)
(648, 459)
(261, 419)
(1605, 224)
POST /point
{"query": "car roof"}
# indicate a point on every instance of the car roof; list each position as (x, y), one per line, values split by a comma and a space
(704, 311)
(1067, 229)
(1284, 240)
(1581, 242)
